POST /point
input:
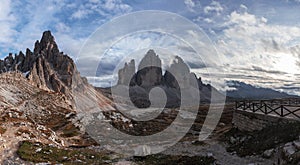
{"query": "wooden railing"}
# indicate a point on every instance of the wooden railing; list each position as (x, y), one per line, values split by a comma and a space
(279, 107)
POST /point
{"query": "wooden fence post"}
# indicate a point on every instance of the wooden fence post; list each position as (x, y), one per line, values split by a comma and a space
(236, 106)
(266, 110)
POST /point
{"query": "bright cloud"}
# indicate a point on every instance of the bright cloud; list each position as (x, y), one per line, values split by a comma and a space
(249, 41)
(79, 14)
(71, 21)
(214, 7)
(259, 40)
(190, 4)
(7, 20)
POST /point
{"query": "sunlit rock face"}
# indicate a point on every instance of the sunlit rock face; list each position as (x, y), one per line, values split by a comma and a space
(45, 66)
(51, 70)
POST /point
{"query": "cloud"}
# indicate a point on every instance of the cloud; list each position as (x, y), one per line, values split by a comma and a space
(79, 14)
(29, 23)
(246, 35)
(116, 6)
(104, 81)
(243, 8)
(7, 21)
(71, 45)
(105, 9)
(254, 46)
(260, 69)
(208, 20)
(62, 27)
(67, 21)
(135, 46)
(190, 4)
(214, 7)
(242, 18)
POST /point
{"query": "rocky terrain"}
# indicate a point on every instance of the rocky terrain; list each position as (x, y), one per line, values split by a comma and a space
(42, 97)
(44, 101)
(34, 114)
(46, 108)
(277, 143)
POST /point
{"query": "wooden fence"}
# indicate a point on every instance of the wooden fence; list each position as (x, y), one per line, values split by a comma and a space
(277, 107)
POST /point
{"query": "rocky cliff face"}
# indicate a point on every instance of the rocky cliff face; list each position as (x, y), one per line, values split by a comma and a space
(42, 93)
(149, 73)
(176, 79)
(46, 67)
(51, 70)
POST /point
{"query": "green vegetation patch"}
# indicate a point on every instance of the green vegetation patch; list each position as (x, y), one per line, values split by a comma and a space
(37, 153)
(160, 159)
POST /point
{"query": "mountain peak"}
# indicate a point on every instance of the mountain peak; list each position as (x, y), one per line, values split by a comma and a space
(46, 45)
(47, 37)
(150, 52)
(151, 59)
(45, 66)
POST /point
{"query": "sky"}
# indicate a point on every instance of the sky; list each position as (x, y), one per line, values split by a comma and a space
(259, 41)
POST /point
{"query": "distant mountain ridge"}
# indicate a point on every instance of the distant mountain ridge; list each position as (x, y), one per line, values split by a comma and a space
(247, 91)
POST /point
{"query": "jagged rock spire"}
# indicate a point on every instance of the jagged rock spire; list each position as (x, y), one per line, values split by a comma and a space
(45, 66)
(125, 74)
(149, 73)
(46, 46)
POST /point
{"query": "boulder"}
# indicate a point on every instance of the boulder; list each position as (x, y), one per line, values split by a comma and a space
(297, 144)
(268, 153)
(289, 150)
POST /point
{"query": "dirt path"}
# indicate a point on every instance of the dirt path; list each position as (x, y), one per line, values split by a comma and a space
(8, 143)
